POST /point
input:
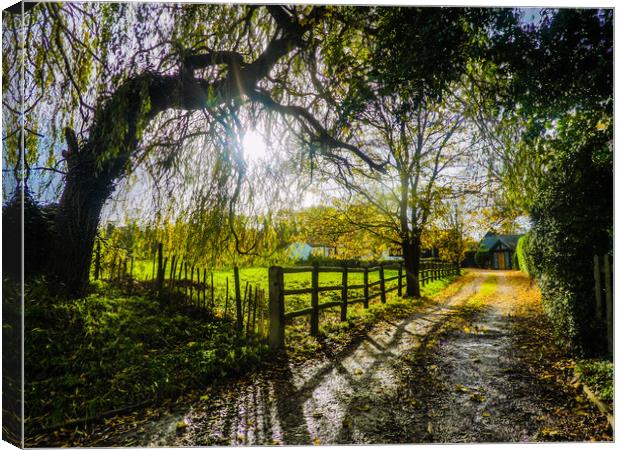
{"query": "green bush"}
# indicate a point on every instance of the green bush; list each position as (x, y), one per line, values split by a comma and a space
(522, 255)
(107, 351)
(572, 218)
(598, 375)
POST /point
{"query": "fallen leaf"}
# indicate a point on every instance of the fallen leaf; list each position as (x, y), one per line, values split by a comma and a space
(363, 408)
(486, 414)
(460, 388)
(549, 432)
(316, 441)
(429, 428)
(204, 398)
(358, 371)
(181, 425)
(477, 397)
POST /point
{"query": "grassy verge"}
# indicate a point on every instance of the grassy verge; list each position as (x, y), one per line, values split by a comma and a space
(599, 376)
(111, 350)
(108, 351)
(335, 334)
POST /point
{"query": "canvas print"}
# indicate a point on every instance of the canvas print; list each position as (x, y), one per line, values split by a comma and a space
(309, 224)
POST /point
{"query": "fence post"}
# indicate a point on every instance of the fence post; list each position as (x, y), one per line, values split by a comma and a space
(226, 302)
(400, 279)
(238, 298)
(185, 279)
(276, 307)
(212, 289)
(191, 285)
(382, 284)
(314, 315)
(261, 312)
(172, 271)
(256, 299)
(597, 288)
(608, 304)
(345, 288)
(160, 265)
(247, 325)
(366, 300)
(97, 260)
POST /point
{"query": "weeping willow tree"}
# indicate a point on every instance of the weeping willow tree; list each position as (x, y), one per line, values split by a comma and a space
(137, 86)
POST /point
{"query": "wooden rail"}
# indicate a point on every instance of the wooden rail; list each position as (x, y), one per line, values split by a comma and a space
(603, 289)
(429, 271)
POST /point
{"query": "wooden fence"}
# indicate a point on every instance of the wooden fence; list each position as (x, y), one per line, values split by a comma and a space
(603, 293)
(433, 270)
(173, 278)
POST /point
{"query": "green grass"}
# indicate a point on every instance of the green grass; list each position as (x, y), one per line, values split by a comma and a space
(258, 277)
(479, 300)
(598, 375)
(109, 350)
(297, 333)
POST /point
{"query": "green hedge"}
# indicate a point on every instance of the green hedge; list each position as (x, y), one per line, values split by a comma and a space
(572, 215)
(522, 256)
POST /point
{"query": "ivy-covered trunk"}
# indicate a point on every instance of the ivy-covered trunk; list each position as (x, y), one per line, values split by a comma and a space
(93, 169)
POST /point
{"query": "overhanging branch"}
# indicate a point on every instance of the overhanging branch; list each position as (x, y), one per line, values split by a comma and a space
(311, 125)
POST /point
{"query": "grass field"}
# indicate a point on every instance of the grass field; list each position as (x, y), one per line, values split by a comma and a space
(258, 277)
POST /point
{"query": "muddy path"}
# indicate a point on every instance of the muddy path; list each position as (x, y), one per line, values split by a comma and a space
(449, 373)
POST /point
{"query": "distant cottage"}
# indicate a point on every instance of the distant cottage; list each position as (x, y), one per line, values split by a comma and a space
(500, 249)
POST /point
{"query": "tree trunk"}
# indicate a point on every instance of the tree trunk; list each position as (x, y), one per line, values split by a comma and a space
(92, 171)
(411, 254)
(94, 167)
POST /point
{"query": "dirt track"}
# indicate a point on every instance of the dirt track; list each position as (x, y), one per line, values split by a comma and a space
(450, 373)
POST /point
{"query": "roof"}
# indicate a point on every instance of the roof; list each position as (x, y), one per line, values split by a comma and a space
(490, 241)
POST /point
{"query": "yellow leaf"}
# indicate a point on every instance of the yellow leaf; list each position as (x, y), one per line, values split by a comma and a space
(477, 397)
(602, 126)
(316, 441)
(460, 388)
(181, 425)
(486, 414)
(358, 371)
(204, 398)
(364, 408)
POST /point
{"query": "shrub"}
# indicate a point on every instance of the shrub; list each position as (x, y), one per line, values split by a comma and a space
(482, 258)
(572, 216)
(522, 255)
(598, 375)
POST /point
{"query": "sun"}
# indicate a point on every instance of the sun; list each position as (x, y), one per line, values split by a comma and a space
(254, 147)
